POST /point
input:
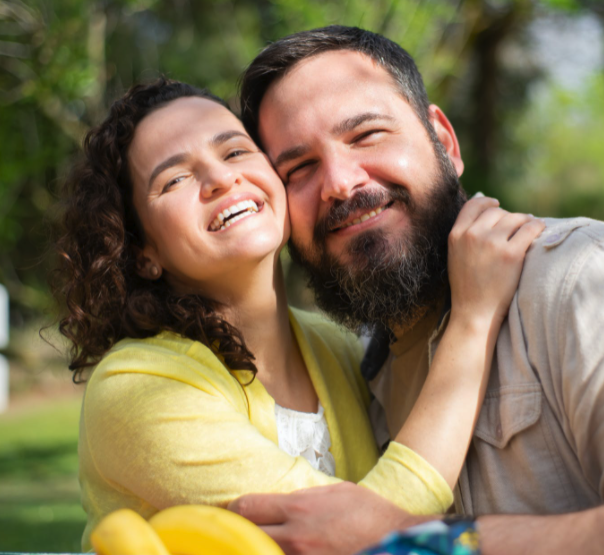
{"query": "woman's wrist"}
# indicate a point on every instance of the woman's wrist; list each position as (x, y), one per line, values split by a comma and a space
(474, 325)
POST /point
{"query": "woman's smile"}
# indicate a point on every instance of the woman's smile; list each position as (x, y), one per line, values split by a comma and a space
(235, 211)
(197, 177)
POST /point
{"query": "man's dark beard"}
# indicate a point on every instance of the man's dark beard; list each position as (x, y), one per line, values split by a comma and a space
(386, 282)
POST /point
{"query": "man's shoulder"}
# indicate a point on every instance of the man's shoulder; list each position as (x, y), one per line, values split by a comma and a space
(563, 245)
(562, 237)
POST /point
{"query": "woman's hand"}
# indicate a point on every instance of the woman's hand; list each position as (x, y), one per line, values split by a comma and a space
(486, 250)
(487, 246)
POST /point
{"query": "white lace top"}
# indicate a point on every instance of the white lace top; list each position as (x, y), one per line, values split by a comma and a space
(306, 434)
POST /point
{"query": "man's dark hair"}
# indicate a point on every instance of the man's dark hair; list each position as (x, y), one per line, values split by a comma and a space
(277, 58)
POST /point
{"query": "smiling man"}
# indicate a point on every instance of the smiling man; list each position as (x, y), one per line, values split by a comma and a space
(371, 170)
(361, 186)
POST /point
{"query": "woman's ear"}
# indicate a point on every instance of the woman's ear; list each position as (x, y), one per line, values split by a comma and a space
(146, 265)
(446, 135)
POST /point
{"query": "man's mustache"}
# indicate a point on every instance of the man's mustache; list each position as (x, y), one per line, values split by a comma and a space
(364, 201)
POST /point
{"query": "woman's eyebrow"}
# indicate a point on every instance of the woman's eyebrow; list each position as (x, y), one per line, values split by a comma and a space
(167, 163)
(181, 157)
(223, 137)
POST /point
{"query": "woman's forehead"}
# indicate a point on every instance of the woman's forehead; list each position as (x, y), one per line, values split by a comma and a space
(182, 113)
(192, 121)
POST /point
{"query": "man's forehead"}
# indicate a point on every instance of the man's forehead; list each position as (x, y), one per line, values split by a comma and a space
(322, 91)
(325, 74)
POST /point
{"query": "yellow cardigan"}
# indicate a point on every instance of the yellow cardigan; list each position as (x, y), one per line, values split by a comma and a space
(164, 422)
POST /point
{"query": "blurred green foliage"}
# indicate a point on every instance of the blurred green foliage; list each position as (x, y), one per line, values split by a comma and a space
(40, 503)
(62, 62)
(563, 170)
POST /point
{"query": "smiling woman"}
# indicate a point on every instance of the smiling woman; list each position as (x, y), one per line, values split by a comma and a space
(208, 168)
(205, 386)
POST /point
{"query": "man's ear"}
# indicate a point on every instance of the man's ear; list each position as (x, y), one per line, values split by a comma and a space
(446, 135)
(147, 266)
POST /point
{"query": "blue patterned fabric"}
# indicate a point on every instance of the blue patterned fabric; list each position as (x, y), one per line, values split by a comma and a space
(431, 538)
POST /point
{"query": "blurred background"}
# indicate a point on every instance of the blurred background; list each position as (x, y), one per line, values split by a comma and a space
(521, 80)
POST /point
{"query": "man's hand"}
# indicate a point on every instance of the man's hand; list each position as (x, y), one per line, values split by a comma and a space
(340, 519)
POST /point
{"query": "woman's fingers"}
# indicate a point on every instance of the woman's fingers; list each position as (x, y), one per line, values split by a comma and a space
(509, 224)
(471, 211)
(497, 225)
(527, 233)
(485, 260)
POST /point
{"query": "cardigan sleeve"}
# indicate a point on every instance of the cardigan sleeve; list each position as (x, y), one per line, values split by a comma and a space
(409, 481)
(170, 443)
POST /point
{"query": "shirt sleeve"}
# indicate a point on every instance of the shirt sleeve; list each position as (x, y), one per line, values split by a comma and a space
(578, 361)
(170, 443)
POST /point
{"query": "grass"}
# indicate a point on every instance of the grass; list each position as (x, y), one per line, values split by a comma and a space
(39, 493)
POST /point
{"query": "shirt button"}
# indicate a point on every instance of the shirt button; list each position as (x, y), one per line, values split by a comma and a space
(499, 434)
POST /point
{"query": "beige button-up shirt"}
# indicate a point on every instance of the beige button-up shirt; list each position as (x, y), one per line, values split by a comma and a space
(538, 446)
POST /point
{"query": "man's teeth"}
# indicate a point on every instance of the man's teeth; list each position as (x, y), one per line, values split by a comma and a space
(364, 217)
(233, 214)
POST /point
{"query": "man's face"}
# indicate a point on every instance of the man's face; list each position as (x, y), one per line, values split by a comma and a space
(363, 177)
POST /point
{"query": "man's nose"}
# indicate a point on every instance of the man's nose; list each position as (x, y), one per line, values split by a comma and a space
(342, 174)
(217, 178)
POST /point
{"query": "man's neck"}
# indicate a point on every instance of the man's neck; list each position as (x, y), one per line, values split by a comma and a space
(423, 312)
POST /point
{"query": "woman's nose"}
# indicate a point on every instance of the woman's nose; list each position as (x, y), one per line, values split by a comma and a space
(218, 177)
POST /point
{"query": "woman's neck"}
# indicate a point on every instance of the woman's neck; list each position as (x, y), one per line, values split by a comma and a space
(258, 309)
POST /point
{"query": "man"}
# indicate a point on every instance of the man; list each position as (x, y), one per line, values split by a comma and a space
(371, 169)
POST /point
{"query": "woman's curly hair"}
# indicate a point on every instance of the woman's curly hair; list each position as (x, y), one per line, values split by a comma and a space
(98, 238)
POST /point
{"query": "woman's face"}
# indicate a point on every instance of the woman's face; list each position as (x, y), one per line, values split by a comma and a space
(209, 201)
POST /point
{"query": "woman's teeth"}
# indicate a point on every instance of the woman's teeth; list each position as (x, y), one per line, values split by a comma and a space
(233, 214)
(363, 218)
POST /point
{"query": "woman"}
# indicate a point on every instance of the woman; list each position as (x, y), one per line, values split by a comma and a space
(170, 262)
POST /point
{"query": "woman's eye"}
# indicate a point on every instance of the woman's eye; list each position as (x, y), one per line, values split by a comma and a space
(172, 182)
(236, 153)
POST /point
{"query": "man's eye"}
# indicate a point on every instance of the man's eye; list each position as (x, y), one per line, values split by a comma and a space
(297, 170)
(367, 135)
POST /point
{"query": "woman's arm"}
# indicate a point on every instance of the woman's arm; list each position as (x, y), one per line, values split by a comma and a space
(162, 426)
(487, 247)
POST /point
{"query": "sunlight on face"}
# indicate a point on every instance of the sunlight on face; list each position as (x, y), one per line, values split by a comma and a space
(209, 202)
(335, 125)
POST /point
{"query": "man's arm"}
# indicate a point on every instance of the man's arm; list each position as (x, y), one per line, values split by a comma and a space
(333, 520)
(580, 533)
(343, 519)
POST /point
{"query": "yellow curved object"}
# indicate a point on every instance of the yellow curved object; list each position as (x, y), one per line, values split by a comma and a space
(203, 530)
(125, 532)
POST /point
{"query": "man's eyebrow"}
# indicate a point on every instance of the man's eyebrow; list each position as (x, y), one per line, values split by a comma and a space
(350, 124)
(343, 127)
(167, 163)
(291, 154)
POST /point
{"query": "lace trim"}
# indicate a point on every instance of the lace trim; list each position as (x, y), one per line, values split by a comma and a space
(305, 434)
